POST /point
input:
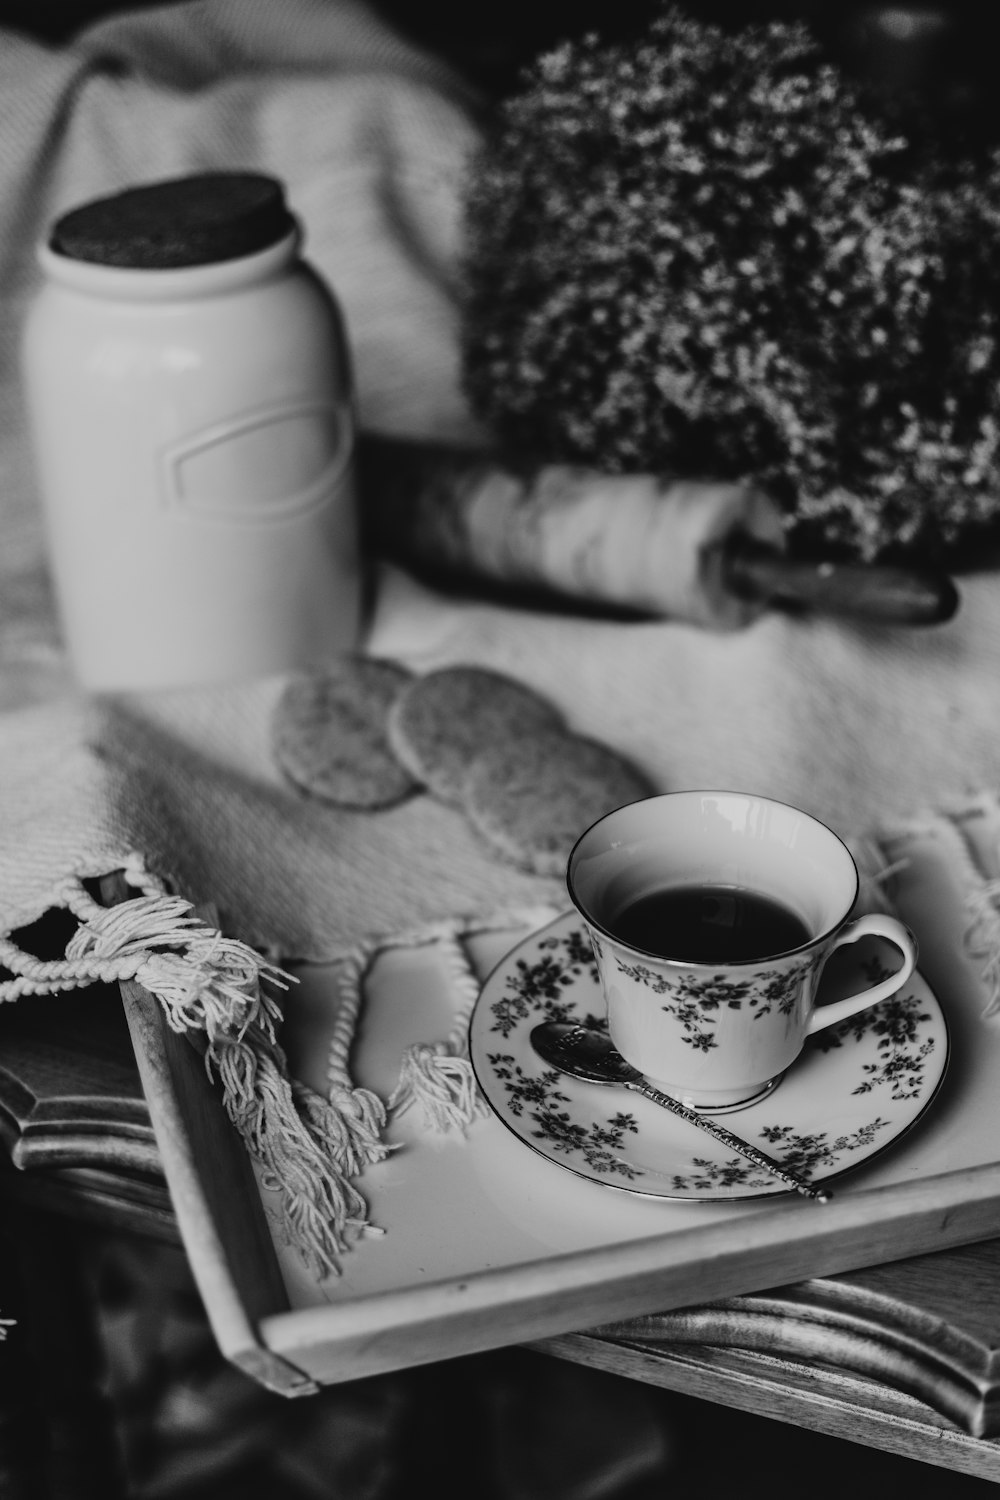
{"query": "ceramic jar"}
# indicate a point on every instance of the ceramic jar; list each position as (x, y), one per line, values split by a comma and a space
(190, 403)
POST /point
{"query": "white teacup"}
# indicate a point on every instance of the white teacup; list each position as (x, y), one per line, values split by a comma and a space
(712, 915)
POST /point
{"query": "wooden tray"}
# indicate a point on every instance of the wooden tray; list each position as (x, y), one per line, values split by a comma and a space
(487, 1244)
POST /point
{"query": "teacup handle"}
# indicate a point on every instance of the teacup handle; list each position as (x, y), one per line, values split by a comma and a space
(878, 925)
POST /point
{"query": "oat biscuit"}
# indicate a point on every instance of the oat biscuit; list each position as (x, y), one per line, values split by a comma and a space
(531, 799)
(443, 720)
(329, 733)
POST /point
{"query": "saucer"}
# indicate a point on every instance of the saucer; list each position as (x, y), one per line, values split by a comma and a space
(854, 1091)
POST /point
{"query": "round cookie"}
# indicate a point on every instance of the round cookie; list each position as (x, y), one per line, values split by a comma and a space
(443, 720)
(531, 799)
(329, 734)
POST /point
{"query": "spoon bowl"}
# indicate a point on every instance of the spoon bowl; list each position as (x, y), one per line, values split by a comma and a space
(583, 1051)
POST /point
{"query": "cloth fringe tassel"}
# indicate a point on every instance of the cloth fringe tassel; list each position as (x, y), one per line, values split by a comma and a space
(437, 1078)
(434, 1077)
(976, 826)
(975, 862)
(982, 939)
(217, 991)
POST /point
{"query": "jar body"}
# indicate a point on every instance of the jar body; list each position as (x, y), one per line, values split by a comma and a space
(193, 433)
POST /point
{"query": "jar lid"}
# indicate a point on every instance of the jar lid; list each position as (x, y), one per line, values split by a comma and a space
(185, 221)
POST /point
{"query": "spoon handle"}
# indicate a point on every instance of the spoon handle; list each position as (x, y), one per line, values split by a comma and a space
(734, 1142)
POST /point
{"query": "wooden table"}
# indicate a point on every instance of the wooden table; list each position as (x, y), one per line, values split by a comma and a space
(901, 1357)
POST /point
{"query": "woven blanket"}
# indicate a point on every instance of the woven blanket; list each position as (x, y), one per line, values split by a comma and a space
(861, 726)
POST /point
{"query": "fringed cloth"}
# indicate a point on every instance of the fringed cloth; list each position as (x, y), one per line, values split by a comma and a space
(220, 993)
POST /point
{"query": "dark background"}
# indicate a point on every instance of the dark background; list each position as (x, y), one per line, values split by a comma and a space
(941, 49)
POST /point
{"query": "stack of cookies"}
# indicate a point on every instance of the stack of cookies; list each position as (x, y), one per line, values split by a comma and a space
(367, 733)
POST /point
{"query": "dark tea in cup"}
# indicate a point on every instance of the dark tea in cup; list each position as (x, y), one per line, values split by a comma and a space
(710, 924)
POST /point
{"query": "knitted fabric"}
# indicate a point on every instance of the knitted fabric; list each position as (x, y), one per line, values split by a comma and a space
(88, 790)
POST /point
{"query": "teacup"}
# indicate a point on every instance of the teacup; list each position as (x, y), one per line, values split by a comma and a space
(712, 916)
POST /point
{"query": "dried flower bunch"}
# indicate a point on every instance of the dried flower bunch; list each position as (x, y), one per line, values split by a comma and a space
(709, 253)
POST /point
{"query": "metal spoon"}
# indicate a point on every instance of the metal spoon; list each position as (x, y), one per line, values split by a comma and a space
(586, 1053)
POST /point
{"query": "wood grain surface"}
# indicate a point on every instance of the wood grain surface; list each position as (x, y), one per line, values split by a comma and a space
(69, 1090)
(214, 1193)
(802, 1392)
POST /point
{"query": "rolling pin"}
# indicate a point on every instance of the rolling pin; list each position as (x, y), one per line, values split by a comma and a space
(711, 553)
(907, 596)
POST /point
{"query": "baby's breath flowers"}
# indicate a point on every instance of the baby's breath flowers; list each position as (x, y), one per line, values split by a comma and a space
(708, 253)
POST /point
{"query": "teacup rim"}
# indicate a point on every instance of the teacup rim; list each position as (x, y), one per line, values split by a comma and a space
(698, 964)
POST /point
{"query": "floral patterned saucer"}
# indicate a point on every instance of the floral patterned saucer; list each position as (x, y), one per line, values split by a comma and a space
(854, 1091)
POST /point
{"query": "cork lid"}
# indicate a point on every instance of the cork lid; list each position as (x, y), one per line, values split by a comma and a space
(184, 221)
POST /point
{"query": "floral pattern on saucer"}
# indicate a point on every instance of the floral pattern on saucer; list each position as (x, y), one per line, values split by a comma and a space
(855, 1090)
(903, 1049)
